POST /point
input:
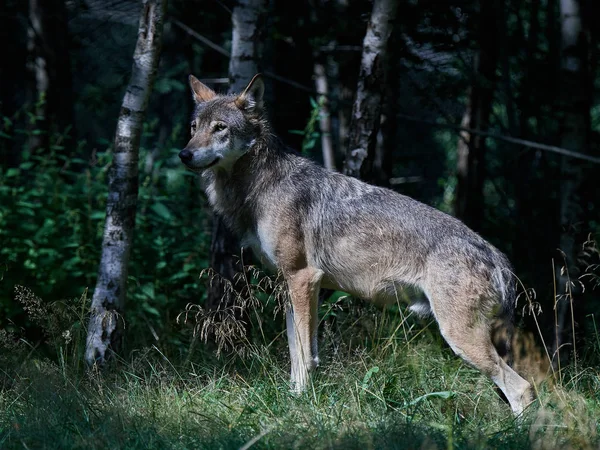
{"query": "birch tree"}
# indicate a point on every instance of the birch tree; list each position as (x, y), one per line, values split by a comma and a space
(366, 111)
(247, 19)
(324, 116)
(106, 322)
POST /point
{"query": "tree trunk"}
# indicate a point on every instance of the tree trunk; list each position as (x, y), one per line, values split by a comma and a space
(575, 135)
(13, 74)
(49, 69)
(387, 142)
(106, 324)
(532, 213)
(324, 116)
(471, 148)
(246, 42)
(247, 19)
(507, 74)
(366, 112)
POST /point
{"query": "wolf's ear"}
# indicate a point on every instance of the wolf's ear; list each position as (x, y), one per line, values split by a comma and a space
(252, 97)
(200, 91)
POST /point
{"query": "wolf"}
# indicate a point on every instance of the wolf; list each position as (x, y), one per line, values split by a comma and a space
(323, 229)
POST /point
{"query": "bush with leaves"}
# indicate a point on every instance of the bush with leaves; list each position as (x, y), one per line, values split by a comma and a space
(52, 209)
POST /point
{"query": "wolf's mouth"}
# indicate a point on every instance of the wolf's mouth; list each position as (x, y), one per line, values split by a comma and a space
(201, 169)
(217, 159)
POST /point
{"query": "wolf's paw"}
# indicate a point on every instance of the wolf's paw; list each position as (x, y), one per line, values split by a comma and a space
(299, 382)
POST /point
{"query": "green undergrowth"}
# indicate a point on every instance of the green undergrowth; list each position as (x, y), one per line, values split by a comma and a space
(384, 382)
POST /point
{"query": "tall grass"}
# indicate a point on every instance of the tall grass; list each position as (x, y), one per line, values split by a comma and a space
(385, 381)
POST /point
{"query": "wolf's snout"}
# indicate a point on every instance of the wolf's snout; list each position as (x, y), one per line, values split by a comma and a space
(185, 155)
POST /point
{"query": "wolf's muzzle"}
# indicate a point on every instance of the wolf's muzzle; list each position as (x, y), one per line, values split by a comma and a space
(185, 155)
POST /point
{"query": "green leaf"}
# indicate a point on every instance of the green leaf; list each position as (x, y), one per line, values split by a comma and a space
(96, 215)
(188, 267)
(310, 144)
(443, 395)
(368, 375)
(148, 290)
(151, 309)
(26, 211)
(26, 204)
(162, 211)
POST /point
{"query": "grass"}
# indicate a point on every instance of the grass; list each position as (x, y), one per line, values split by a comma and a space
(385, 381)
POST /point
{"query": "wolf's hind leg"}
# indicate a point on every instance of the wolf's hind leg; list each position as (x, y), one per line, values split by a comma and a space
(302, 322)
(470, 338)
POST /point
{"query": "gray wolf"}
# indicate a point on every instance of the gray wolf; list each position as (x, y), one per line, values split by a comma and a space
(325, 229)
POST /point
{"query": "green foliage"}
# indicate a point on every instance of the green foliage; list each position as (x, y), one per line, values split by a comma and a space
(52, 211)
(311, 131)
(50, 221)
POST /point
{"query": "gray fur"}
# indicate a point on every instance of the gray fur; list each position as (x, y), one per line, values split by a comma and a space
(325, 229)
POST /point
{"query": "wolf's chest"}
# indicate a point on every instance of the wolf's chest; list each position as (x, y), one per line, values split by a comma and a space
(263, 243)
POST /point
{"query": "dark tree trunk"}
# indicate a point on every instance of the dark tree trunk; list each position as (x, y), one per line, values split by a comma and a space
(366, 112)
(471, 148)
(106, 324)
(247, 19)
(49, 69)
(387, 141)
(291, 58)
(533, 229)
(505, 55)
(527, 101)
(13, 72)
(575, 97)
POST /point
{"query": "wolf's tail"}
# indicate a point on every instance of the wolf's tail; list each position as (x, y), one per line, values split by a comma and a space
(503, 329)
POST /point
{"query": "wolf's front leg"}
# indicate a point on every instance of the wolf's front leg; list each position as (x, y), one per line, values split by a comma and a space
(302, 322)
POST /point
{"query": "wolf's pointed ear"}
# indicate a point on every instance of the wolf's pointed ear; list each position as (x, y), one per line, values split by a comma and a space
(200, 91)
(252, 97)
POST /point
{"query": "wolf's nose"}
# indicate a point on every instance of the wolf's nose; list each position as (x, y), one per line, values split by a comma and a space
(185, 155)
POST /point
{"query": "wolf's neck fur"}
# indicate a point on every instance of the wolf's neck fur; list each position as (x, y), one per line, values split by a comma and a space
(234, 194)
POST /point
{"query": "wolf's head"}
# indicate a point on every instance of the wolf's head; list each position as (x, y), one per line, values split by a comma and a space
(223, 128)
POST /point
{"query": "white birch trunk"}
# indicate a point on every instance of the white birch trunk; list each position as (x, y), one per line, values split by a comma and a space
(247, 19)
(324, 116)
(106, 324)
(366, 111)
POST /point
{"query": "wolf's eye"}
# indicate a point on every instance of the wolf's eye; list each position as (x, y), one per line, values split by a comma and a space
(219, 127)
(193, 127)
